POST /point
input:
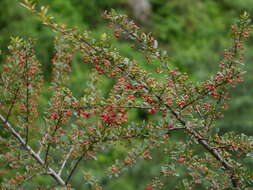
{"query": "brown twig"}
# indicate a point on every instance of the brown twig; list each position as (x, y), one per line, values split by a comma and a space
(12, 104)
(75, 166)
(53, 134)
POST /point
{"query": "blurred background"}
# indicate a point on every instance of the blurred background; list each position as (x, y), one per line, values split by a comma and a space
(195, 33)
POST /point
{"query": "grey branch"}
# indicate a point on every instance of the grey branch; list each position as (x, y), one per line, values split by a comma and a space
(31, 152)
(66, 159)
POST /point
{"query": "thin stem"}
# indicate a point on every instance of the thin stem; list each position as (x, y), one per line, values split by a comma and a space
(12, 104)
(66, 159)
(75, 166)
(111, 106)
(27, 99)
(44, 138)
(30, 177)
(31, 152)
(49, 144)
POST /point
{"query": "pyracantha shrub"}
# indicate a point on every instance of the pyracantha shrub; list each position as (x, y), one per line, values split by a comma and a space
(55, 141)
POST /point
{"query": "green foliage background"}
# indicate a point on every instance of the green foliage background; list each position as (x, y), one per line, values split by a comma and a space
(195, 33)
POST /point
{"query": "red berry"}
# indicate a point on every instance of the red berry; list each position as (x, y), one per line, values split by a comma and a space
(98, 67)
(181, 160)
(86, 114)
(106, 63)
(182, 103)
(152, 110)
(68, 55)
(147, 187)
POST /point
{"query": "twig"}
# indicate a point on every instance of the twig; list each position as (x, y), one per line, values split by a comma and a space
(27, 100)
(31, 152)
(66, 159)
(44, 138)
(74, 168)
(12, 104)
(111, 106)
(31, 176)
(49, 144)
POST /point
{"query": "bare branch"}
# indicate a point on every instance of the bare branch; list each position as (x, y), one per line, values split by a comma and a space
(44, 138)
(31, 176)
(31, 152)
(66, 159)
(74, 168)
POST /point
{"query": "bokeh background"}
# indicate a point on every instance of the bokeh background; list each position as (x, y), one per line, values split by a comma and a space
(195, 33)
